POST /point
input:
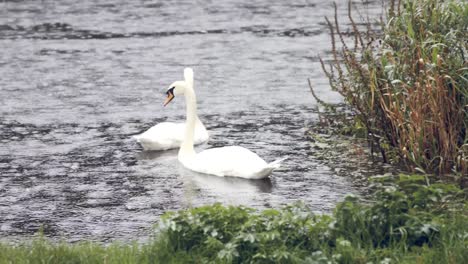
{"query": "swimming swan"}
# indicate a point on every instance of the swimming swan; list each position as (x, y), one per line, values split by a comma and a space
(169, 135)
(226, 161)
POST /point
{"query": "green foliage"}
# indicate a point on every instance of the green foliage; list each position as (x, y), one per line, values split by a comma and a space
(409, 221)
(409, 213)
(241, 235)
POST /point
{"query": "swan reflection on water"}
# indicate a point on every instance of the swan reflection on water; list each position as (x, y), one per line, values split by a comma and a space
(157, 154)
(225, 185)
(202, 188)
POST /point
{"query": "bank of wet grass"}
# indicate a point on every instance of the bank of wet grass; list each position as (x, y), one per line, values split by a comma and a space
(408, 221)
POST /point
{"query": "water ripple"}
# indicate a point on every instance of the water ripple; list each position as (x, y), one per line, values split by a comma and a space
(66, 31)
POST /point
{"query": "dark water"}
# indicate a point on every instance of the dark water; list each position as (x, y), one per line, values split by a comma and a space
(79, 78)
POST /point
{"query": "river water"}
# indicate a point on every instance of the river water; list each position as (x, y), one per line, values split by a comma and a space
(79, 78)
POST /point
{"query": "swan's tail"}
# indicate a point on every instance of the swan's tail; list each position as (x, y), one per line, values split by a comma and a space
(269, 169)
(277, 163)
(136, 137)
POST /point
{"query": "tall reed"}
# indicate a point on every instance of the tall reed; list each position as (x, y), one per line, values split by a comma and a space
(408, 82)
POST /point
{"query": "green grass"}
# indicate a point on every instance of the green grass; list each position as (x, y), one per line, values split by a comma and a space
(408, 222)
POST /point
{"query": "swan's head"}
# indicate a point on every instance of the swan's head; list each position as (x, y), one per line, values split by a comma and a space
(179, 87)
(176, 88)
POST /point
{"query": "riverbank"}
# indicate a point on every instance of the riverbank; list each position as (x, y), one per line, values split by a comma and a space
(408, 221)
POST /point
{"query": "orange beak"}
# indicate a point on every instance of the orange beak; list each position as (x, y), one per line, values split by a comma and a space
(169, 98)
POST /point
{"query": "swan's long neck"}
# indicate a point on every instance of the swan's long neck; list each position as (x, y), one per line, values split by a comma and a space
(186, 148)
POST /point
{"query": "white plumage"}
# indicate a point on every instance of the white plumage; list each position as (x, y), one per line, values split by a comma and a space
(169, 135)
(226, 161)
(231, 161)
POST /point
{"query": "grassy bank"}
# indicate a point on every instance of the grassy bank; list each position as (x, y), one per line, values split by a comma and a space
(408, 222)
(407, 83)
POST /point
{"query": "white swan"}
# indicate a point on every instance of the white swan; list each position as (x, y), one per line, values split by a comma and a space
(169, 135)
(226, 161)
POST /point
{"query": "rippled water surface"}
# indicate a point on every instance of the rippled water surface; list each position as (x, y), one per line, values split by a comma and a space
(79, 78)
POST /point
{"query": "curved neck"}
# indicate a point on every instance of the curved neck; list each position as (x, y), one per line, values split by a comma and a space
(186, 148)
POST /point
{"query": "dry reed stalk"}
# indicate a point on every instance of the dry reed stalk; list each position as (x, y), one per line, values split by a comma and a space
(405, 93)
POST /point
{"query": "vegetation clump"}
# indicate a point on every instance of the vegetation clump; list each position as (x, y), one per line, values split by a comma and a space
(408, 83)
(408, 222)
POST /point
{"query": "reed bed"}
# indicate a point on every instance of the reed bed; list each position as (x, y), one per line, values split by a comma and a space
(407, 82)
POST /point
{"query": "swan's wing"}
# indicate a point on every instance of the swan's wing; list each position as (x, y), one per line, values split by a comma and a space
(163, 131)
(168, 135)
(228, 161)
(163, 136)
(176, 131)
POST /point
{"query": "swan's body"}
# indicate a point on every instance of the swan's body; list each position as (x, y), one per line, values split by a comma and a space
(226, 161)
(169, 135)
(230, 161)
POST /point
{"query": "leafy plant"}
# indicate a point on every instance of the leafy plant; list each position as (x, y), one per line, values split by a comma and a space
(403, 216)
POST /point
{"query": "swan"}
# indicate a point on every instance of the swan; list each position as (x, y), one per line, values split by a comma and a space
(169, 135)
(225, 161)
